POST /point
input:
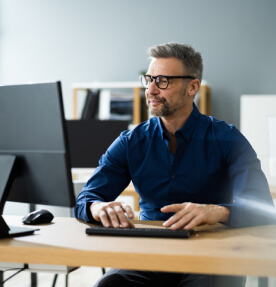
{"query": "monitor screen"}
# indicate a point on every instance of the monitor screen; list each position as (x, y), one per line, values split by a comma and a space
(32, 128)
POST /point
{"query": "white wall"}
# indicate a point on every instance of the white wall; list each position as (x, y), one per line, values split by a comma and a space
(88, 40)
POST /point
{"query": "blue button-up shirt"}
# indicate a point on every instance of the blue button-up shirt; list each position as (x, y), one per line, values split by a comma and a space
(213, 164)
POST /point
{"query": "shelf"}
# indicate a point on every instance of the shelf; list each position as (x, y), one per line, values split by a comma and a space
(136, 86)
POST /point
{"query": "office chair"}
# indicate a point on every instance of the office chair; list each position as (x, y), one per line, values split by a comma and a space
(228, 281)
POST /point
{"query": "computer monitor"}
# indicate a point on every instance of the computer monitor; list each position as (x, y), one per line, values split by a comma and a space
(258, 124)
(89, 140)
(34, 161)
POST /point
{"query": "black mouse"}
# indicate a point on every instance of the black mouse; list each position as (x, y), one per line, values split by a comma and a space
(38, 217)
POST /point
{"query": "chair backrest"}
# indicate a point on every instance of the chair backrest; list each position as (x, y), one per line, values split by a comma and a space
(228, 281)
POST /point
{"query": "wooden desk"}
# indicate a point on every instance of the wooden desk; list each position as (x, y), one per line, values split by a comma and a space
(211, 250)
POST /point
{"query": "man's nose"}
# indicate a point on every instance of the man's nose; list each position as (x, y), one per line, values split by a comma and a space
(153, 89)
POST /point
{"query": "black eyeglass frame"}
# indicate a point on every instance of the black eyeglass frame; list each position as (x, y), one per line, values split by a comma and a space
(167, 77)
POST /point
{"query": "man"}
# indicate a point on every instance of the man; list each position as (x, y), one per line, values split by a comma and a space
(189, 169)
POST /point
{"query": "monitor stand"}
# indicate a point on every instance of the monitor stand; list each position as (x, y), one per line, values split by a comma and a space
(7, 173)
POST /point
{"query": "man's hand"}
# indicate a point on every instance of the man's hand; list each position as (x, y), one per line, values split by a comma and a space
(189, 215)
(112, 213)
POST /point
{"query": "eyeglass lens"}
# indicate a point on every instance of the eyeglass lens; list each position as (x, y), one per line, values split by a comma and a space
(161, 81)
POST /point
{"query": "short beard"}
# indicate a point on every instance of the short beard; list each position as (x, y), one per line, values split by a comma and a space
(167, 110)
(164, 111)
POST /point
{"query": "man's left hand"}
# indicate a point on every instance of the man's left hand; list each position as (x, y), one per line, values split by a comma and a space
(189, 215)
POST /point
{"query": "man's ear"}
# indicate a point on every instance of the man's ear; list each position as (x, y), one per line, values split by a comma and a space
(194, 87)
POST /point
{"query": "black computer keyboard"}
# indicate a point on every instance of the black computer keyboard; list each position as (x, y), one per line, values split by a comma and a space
(138, 232)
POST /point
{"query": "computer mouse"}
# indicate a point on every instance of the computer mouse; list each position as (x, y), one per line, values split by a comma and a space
(40, 216)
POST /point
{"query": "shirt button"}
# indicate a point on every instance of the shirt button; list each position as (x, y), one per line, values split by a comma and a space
(173, 176)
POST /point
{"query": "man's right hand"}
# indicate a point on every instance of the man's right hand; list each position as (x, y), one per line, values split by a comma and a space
(112, 214)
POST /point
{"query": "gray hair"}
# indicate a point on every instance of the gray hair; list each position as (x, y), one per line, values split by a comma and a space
(190, 58)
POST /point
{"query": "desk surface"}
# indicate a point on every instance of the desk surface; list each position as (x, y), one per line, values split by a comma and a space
(212, 250)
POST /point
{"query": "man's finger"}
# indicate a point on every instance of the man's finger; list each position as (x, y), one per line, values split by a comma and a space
(112, 214)
(128, 210)
(173, 219)
(179, 220)
(123, 221)
(172, 208)
(103, 217)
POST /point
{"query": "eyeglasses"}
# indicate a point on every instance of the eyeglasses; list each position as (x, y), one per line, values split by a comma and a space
(161, 81)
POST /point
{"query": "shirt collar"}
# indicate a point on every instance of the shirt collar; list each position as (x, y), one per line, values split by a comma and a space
(187, 129)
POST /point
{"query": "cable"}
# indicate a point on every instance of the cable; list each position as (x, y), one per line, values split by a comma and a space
(19, 270)
(11, 269)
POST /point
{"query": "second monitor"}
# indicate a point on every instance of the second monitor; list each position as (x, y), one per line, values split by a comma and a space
(89, 140)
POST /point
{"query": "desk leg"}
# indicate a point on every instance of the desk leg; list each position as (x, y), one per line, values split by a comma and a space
(1, 278)
(55, 280)
(33, 279)
(263, 282)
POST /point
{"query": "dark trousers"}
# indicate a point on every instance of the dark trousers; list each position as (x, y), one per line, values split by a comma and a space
(131, 278)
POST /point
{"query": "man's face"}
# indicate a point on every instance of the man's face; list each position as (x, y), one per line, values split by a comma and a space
(172, 100)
